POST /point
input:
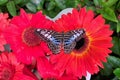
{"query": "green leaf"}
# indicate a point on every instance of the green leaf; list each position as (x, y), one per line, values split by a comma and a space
(60, 4)
(51, 14)
(24, 2)
(36, 2)
(17, 1)
(97, 2)
(41, 4)
(31, 7)
(91, 8)
(107, 69)
(117, 72)
(112, 25)
(51, 5)
(109, 3)
(2, 2)
(108, 13)
(11, 8)
(71, 3)
(114, 61)
(116, 46)
(118, 6)
(118, 27)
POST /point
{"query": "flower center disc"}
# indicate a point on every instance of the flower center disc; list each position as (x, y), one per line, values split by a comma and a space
(81, 45)
(7, 72)
(29, 37)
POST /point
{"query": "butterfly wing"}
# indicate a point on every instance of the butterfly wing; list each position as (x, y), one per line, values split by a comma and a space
(78, 34)
(52, 38)
(55, 43)
(68, 43)
(69, 47)
(44, 34)
(70, 39)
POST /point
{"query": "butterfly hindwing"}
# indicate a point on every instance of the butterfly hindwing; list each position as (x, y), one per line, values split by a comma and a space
(55, 43)
(69, 47)
(54, 48)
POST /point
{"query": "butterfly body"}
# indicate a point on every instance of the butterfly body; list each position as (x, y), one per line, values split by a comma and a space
(60, 41)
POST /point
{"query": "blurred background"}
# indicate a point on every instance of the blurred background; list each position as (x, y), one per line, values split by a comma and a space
(109, 9)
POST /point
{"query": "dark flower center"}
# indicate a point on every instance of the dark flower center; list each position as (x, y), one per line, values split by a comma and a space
(6, 72)
(29, 37)
(79, 44)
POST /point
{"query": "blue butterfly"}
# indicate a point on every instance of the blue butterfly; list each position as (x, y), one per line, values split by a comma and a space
(56, 41)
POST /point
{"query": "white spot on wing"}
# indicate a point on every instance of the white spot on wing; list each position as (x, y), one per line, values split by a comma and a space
(46, 35)
(38, 30)
(49, 36)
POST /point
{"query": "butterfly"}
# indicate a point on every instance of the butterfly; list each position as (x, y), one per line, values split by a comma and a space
(58, 41)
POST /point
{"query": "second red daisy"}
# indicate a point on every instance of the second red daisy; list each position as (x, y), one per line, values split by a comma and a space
(20, 35)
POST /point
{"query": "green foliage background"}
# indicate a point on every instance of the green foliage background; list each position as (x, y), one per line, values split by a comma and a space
(110, 10)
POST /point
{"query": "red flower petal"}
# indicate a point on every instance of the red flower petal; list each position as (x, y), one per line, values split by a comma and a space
(46, 69)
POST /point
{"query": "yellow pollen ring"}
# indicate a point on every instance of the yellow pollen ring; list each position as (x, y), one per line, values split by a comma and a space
(84, 49)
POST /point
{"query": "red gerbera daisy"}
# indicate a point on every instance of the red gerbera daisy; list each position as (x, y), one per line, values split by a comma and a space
(11, 69)
(4, 21)
(90, 51)
(20, 35)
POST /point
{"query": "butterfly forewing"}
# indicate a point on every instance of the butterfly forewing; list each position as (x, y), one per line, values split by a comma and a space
(52, 38)
(70, 39)
(44, 34)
